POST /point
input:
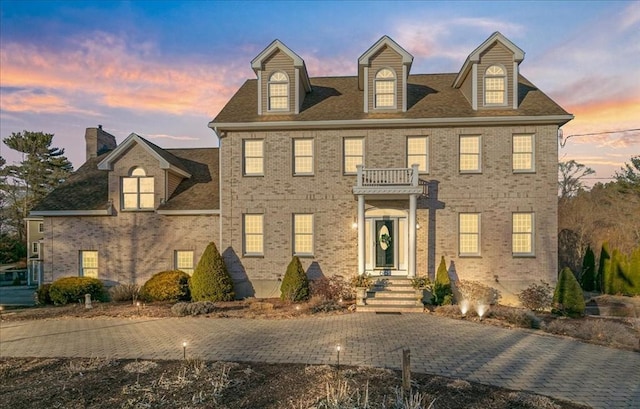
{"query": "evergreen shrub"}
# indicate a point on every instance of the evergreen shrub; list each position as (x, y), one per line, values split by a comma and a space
(183, 309)
(568, 298)
(588, 277)
(73, 289)
(295, 285)
(42, 294)
(211, 280)
(604, 267)
(172, 285)
(442, 294)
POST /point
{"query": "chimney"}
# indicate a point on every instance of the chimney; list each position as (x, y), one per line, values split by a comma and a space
(98, 142)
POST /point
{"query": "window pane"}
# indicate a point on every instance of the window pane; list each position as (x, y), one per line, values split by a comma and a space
(303, 160)
(523, 152)
(184, 261)
(522, 237)
(89, 263)
(130, 200)
(129, 185)
(417, 152)
(278, 90)
(469, 233)
(146, 185)
(253, 236)
(138, 172)
(253, 157)
(353, 154)
(384, 87)
(146, 201)
(469, 153)
(303, 233)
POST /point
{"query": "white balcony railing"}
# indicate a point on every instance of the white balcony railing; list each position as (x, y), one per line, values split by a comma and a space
(387, 177)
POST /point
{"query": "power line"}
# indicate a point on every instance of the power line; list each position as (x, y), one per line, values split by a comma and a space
(564, 142)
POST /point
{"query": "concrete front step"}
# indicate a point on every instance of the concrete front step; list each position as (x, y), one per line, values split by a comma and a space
(393, 293)
(390, 308)
(391, 301)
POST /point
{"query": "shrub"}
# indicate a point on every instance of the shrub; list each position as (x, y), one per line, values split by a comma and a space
(568, 298)
(537, 297)
(442, 294)
(600, 331)
(172, 285)
(333, 288)
(211, 280)
(183, 309)
(73, 289)
(604, 267)
(42, 294)
(124, 292)
(478, 293)
(295, 285)
(588, 277)
(516, 316)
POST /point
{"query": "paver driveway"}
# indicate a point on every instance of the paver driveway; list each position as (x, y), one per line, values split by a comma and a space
(517, 359)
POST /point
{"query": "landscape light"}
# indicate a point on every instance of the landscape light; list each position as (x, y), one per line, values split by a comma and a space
(184, 350)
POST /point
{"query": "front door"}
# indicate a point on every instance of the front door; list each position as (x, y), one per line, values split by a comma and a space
(385, 244)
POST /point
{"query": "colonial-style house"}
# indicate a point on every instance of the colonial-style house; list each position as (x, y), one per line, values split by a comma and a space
(383, 172)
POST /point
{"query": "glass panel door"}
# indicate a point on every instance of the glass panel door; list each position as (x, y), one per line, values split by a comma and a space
(385, 244)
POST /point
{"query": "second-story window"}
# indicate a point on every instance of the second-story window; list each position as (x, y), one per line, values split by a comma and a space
(40, 227)
(470, 154)
(303, 156)
(278, 92)
(418, 152)
(385, 89)
(137, 191)
(495, 82)
(523, 153)
(253, 151)
(353, 154)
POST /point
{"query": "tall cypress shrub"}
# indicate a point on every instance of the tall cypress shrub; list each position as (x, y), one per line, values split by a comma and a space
(634, 271)
(588, 277)
(295, 284)
(211, 280)
(568, 298)
(442, 293)
(604, 265)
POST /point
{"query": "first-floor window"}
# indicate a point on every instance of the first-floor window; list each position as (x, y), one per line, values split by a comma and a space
(183, 261)
(303, 234)
(34, 247)
(253, 234)
(522, 234)
(40, 227)
(469, 234)
(89, 263)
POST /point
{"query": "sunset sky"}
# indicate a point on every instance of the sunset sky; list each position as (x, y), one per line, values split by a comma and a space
(165, 69)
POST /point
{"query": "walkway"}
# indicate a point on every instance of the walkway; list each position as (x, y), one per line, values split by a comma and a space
(516, 359)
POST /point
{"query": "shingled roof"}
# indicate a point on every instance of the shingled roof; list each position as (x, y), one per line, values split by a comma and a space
(428, 96)
(87, 188)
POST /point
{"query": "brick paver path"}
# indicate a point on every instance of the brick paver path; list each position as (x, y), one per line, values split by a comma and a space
(517, 359)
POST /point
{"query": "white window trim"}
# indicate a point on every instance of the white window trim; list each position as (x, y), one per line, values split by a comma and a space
(395, 89)
(35, 247)
(426, 154)
(312, 234)
(532, 253)
(41, 227)
(533, 153)
(295, 155)
(244, 158)
(175, 261)
(244, 236)
(344, 154)
(504, 82)
(478, 234)
(467, 171)
(287, 83)
(138, 194)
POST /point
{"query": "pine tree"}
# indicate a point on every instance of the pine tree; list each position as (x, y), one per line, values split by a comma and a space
(442, 293)
(295, 284)
(568, 298)
(211, 280)
(604, 265)
(587, 280)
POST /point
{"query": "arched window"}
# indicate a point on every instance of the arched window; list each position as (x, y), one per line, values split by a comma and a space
(137, 190)
(495, 86)
(385, 89)
(278, 91)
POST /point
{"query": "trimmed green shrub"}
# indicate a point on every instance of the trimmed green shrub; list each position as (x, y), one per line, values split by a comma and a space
(604, 267)
(211, 280)
(73, 289)
(183, 309)
(588, 277)
(295, 285)
(124, 292)
(172, 285)
(568, 298)
(442, 294)
(42, 294)
(537, 297)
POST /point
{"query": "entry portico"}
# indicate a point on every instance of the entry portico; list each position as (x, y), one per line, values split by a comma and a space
(386, 236)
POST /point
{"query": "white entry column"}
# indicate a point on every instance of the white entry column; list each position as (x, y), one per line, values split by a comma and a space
(361, 235)
(413, 199)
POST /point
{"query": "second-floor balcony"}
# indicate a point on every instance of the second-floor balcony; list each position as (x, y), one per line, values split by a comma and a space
(387, 181)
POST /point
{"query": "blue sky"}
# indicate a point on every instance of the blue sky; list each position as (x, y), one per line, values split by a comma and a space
(164, 69)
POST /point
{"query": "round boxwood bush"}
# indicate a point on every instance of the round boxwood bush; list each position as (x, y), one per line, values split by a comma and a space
(72, 289)
(42, 294)
(172, 285)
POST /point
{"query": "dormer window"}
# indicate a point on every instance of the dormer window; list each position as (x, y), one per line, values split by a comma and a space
(495, 86)
(137, 191)
(278, 92)
(385, 89)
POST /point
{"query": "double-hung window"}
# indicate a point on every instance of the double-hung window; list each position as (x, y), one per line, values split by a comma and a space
(35, 247)
(278, 91)
(523, 158)
(40, 227)
(470, 154)
(418, 152)
(253, 226)
(385, 89)
(303, 234)
(253, 151)
(137, 191)
(303, 156)
(522, 236)
(89, 263)
(183, 261)
(495, 81)
(469, 234)
(353, 149)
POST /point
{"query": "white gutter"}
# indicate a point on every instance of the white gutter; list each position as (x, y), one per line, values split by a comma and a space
(187, 212)
(404, 122)
(54, 213)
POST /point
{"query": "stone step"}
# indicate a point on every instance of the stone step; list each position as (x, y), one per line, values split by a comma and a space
(391, 300)
(389, 308)
(386, 293)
